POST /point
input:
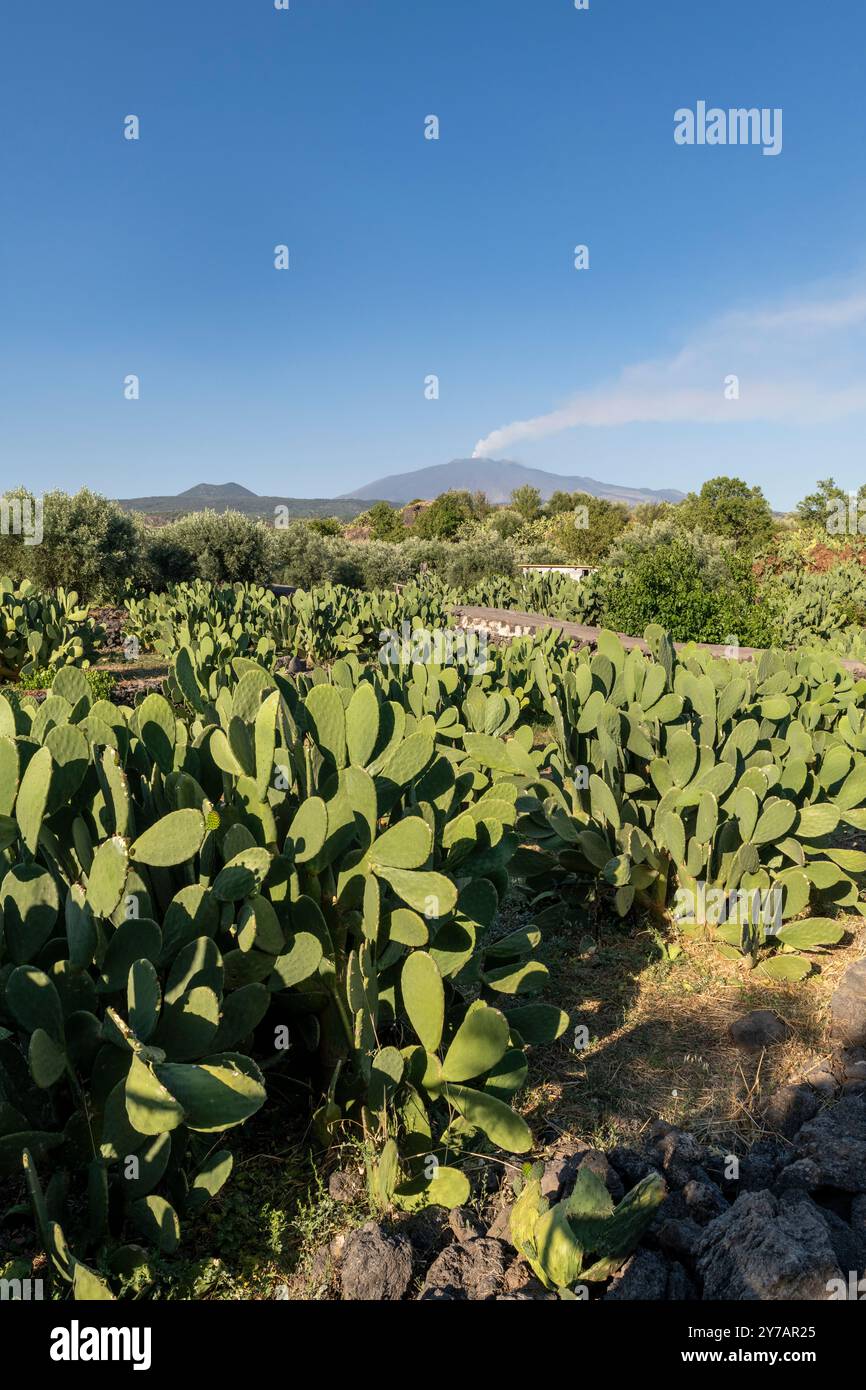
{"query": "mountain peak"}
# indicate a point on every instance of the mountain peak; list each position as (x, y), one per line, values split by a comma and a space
(498, 478)
(218, 491)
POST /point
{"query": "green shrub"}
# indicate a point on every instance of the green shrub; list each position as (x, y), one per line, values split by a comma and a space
(712, 553)
(694, 589)
(299, 556)
(326, 525)
(346, 570)
(443, 519)
(505, 522)
(527, 501)
(166, 559)
(89, 544)
(385, 522)
(729, 508)
(585, 534)
(822, 506)
(225, 547)
(486, 559)
(382, 565)
(99, 683)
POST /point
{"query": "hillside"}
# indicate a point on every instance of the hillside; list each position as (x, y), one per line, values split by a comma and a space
(222, 497)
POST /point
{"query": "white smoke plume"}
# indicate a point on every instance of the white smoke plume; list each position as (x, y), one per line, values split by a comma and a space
(799, 363)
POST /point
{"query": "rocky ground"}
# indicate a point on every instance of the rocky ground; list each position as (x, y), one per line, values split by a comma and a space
(111, 619)
(784, 1220)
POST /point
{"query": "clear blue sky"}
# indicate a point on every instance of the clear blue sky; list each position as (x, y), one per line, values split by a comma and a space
(411, 257)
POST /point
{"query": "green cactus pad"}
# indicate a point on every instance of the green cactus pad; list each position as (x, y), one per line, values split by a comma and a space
(30, 903)
(70, 753)
(448, 1187)
(152, 1158)
(34, 1002)
(221, 1092)
(479, 1043)
(242, 876)
(298, 963)
(431, 894)
(817, 931)
(423, 998)
(135, 939)
(308, 831)
(538, 1023)
(362, 725)
(106, 881)
(406, 845)
(157, 1220)
(407, 928)
(47, 1059)
(242, 1012)
(492, 1116)
(151, 1108)
(158, 729)
(188, 1023)
(33, 797)
(209, 1180)
(175, 839)
(144, 997)
(327, 720)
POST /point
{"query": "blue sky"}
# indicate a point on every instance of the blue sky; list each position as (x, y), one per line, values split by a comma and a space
(411, 257)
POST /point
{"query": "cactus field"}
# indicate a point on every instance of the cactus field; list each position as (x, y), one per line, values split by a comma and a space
(275, 890)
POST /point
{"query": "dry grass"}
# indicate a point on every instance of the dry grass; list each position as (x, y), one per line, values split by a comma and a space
(659, 1046)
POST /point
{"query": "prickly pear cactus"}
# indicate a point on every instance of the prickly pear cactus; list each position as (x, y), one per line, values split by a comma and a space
(708, 792)
(583, 1238)
(40, 631)
(304, 871)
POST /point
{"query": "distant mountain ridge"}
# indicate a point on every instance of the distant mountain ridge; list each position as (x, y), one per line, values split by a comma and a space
(223, 497)
(498, 478)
